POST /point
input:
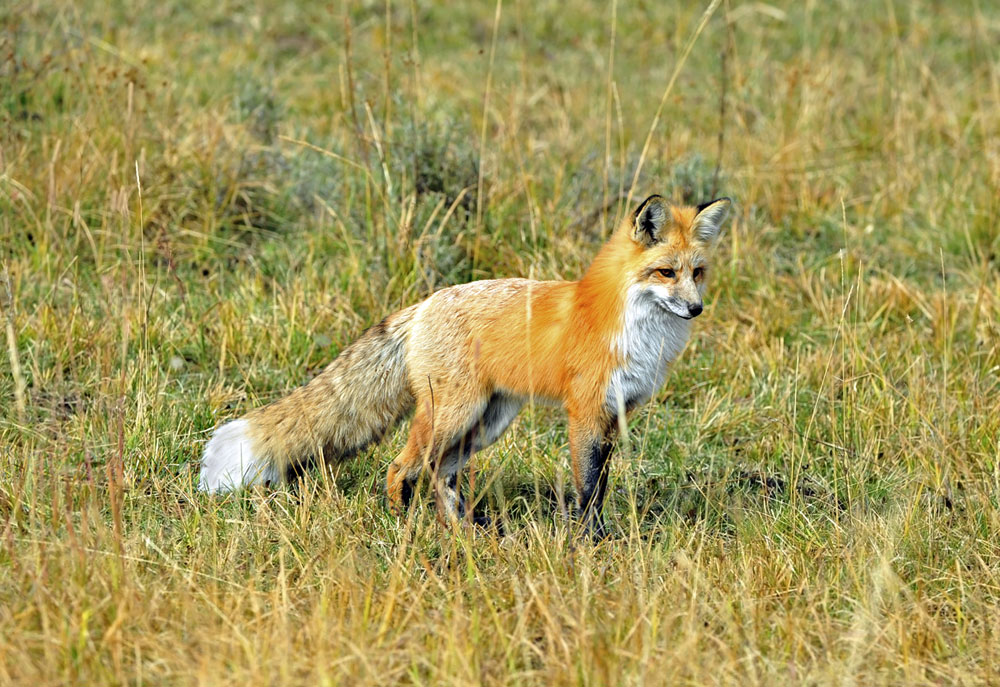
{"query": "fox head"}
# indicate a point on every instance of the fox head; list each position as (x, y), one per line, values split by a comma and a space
(671, 263)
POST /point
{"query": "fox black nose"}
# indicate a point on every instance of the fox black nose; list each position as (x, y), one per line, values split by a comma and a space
(694, 310)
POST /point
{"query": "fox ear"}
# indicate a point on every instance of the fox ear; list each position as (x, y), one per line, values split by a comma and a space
(709, 219)
(648, 220)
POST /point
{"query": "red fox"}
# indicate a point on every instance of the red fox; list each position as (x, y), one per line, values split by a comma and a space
(466, 359)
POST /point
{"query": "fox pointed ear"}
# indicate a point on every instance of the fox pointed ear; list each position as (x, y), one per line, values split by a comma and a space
(648, 220)
(709, 219)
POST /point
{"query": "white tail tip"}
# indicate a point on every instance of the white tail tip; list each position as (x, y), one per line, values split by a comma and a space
(229, 461)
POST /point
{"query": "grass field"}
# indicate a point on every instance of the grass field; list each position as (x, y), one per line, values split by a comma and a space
(202, 203)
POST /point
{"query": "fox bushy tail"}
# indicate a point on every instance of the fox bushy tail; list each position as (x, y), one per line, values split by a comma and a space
(359, 397)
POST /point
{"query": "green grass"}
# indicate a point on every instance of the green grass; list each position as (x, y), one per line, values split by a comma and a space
(814, 497)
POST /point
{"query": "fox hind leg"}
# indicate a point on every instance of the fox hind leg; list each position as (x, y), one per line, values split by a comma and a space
(432, 433)
(458, 433)
(500, 411)
(405, 469)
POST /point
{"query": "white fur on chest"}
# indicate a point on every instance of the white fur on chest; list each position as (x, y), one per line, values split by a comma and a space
(650, 340)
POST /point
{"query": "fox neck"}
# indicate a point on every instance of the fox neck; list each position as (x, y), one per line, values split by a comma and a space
(602, 291)
(642, 338)
(650, 339)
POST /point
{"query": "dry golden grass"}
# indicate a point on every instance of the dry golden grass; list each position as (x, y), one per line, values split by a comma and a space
(201, 204)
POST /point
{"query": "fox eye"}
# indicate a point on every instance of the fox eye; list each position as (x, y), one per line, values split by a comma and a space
(698, 272)
(668, 273)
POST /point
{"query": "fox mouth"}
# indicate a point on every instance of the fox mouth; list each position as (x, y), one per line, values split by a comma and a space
(667, 309)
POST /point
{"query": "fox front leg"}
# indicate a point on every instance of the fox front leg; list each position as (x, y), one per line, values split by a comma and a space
(591, 443)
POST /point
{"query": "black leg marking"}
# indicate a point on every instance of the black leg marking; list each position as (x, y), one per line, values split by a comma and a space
(453, 485)
(297, 471)
(481, 521)
(406, 493)
(595, 484)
